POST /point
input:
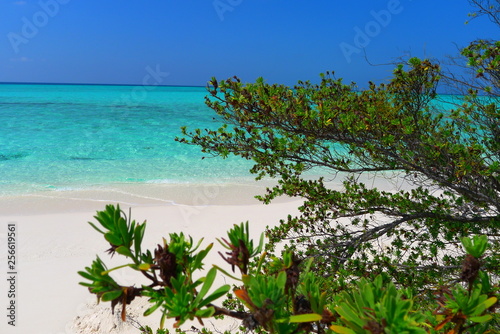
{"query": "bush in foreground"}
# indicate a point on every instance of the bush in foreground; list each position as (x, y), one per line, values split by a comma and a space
(283, 295)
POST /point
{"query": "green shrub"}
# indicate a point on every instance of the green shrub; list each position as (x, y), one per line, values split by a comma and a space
(283, 295)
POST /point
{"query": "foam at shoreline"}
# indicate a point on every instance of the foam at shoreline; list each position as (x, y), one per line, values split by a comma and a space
(150, 194)
(238, 192)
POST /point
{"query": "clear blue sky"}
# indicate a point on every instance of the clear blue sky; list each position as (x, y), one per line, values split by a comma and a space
(122, 41)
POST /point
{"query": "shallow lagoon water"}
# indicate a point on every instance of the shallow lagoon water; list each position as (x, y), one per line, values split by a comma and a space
(66, 137)
(60, 137)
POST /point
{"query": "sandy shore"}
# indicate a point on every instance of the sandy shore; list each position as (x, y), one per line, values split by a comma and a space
(54, 241)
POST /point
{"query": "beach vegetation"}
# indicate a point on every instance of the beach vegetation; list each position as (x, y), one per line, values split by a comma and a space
(283, 294)
(439, 154)
(441, 159)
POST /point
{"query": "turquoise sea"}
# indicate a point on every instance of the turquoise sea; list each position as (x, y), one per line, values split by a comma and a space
(62, 137)
(65, 137)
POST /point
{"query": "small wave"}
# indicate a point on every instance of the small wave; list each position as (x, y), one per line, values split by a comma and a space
(14, 156)
(78, 158)
(82, 158)
(161, 181)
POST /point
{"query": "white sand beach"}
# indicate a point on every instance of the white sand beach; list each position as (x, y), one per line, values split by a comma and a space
(54, 241)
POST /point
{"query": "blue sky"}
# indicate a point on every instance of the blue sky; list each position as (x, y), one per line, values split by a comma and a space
(186, 42)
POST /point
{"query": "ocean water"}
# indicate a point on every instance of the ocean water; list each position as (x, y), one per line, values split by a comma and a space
(64, 137)
(60, 137)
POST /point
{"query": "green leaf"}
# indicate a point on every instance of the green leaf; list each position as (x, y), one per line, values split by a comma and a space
(368, 295)
(124, 251)
(216, 295)
(113, 239)
(261, 244)
(482, 318)
(96, 228)
(162, 320)
(103, 218)
(475, 246)
(86, 275)
(198, 245)
(207, 284)
(311, 317)
(197, 263)
(490, 302)
(347, 313)
(111, 295)
(138, 236)
(152, 308)
(226, 273)
(123, 228)
(341, 330)
(281, 280)
(205, 313)
(223, 244)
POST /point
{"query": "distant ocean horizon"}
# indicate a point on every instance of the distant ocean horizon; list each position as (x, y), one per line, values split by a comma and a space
(74, 136)
(94, 84)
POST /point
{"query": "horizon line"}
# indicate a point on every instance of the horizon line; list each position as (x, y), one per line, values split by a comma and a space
(89, 84)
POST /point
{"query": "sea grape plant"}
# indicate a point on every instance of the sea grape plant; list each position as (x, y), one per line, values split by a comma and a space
(282, 294)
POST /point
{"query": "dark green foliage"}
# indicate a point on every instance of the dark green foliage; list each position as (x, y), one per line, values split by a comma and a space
(120, 234)
(241, 247)
(102, 284)
(393, 130)
(376, 306)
